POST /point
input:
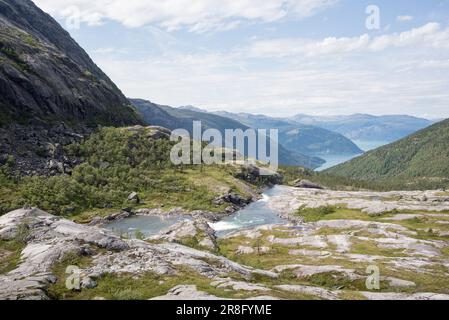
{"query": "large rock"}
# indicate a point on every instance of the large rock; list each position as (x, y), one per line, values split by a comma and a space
(186, 293)
(134, 198)
(198, 229)
(306, 184)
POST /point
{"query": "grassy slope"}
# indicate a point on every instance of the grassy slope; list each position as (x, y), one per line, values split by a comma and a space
(421, 156)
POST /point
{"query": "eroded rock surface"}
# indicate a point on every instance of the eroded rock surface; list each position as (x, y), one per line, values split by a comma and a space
(371, 203)
(327, 259)
(49, 239)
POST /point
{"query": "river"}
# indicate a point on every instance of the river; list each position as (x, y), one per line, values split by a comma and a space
(256, 214)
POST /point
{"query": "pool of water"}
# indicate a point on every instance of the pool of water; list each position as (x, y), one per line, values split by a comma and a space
(256, 214)
(146, 225)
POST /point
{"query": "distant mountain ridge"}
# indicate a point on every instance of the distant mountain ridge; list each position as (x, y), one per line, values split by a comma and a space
(307, 139)
(366, 127)
(423, 155)
(175, 118)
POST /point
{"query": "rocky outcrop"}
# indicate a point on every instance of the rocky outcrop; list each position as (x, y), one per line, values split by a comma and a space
(134, 198)
(186, 293)
(254, 174)
(337, 294)
(197, 230)
(49, 239)
(371, 203)
(39, 149)
(306, 184)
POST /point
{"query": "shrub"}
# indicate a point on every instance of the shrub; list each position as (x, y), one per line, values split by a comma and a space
(315, 214)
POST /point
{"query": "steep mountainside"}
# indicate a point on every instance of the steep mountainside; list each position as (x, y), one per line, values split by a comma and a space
(173, 118)
(51, 93)
(424, 154)
(302, 138)
(46, 75)
(368, 127)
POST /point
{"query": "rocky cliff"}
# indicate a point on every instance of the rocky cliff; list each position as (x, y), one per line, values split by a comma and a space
(46, 75)
(51, 92)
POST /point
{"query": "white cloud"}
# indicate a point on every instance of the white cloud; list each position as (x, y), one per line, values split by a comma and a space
(377, 85)
(323, 76)
(430, 35)
(407, 73)
(404, 18)
(196, 15)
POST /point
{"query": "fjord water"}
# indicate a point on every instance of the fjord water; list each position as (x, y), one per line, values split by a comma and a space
(333, 160)
(146, 225)
(256, 214)
(370, 145)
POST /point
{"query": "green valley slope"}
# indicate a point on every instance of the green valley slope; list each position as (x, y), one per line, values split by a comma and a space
(423, 156)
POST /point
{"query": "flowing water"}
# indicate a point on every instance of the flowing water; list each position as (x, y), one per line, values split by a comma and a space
(256, 214)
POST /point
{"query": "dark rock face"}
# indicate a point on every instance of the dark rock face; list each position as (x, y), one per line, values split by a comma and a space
(38, 149)
(46, 75)
(51, 93)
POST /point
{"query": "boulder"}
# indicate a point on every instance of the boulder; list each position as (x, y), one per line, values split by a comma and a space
(187, 292)
(88, 283)
(306, 184)
(134, 198)
(253, 174)
(235, 199)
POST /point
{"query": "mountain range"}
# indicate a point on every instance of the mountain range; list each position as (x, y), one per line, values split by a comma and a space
(46, 78)
(182, 118)
(364, 127)
(307, 139)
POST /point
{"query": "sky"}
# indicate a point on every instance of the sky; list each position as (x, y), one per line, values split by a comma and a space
(273, 57)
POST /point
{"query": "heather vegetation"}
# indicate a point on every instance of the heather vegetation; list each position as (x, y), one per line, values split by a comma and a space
(117, 162)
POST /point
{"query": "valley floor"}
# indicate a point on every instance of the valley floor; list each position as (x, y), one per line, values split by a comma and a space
(334, 243)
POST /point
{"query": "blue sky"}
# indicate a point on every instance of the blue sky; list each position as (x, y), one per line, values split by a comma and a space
(276, 57)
